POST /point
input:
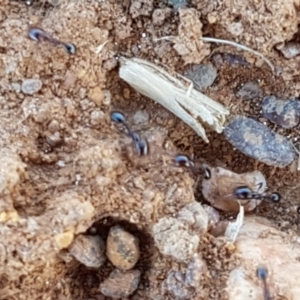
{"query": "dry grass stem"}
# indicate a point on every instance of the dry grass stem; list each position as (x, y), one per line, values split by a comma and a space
(187, 104)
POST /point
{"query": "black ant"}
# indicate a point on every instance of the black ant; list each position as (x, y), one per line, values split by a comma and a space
(39, 35)
(262, 274)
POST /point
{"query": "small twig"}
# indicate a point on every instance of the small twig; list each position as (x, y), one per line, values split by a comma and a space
(245, 48)
(298, 152)
(225, 42)
(100, 47)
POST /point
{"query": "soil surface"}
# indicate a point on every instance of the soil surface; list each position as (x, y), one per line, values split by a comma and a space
(64, 162)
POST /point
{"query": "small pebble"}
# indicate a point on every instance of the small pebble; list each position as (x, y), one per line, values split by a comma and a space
(217, 60)
(141, 116)
(126, 93)
(202, 76)
(122, 248)
(159, 16)
(89, 250)
(259, 142)
(120, 284)
(290, 50)
(97, 117)
(234, 59)
(175, 284)
(196, 268)
(96, 95)
(285, 113)
(249, 91)
(53, 139)
(31, 86)
(16, 87)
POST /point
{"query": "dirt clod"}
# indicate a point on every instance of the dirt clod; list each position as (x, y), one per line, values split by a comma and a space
(188, 43)
(172, 238)
(194, 216)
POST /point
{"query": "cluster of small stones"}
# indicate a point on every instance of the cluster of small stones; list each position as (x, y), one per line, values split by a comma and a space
(122, 250)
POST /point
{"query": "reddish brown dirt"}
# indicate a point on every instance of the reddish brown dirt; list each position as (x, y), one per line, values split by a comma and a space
(69, 95)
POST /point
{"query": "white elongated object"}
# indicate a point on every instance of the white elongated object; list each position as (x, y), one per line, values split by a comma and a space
(187, 104)
(233, 228)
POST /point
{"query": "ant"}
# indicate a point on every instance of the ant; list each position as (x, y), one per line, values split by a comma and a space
(140, 145)
(262, 274)
(221, 185)
(38, 35)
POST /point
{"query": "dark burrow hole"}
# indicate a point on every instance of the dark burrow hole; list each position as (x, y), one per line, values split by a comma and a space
(85, 282)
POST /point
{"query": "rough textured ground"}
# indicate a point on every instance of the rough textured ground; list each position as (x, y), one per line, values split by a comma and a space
(63, 163)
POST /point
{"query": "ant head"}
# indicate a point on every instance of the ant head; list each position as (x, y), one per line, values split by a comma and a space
(243, 192)
(183, 161)
(36, 34)
(70, 48)
(207, 172)
(118, 117)
(262, 272)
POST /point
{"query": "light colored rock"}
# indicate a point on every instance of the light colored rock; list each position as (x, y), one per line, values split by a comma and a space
(141, 116)
(172, 238)
(259, 243)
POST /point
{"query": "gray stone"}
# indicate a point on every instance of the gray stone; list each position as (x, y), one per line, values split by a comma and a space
(258, 141)
(285, 113)
(202, 76)
(249, 91)
(89, 250)
(141, 116)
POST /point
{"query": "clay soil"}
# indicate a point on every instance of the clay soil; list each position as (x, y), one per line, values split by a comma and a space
(77, 95)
